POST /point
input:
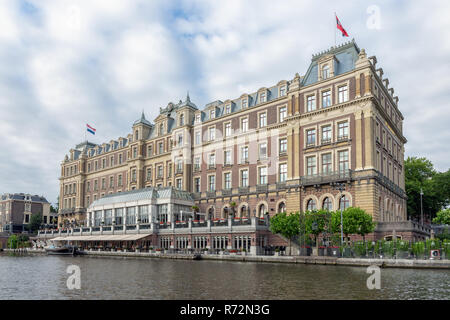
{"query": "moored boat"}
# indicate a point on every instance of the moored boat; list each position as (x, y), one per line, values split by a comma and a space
(64, 250)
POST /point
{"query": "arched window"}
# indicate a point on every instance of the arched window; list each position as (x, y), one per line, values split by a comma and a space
(327, 204)
(226, 211)
(311, 205)
(262, 210)
(244, 211)
(344, 202)
(282, 207)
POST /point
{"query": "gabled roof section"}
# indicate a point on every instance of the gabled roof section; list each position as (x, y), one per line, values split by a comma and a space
(142, 120)
(345, 56)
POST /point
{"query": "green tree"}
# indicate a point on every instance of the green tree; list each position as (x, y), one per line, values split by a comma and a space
(288, 225)
(35, 222)
(420, 174)
(13, 242)
(442, 217)
(317, 222)
(355, 221)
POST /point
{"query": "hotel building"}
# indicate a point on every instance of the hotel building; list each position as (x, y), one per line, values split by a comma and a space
(281, 148)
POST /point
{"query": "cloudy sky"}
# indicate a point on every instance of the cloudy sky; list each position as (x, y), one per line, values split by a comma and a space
(67, 63)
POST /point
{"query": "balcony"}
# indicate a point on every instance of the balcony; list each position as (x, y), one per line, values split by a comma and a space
(211, 166)
(227, 192)
(262, 188)
(325, 178)
(326, 141)
(243, 190)
(342, 138)
(210, 194)
(281, 185)
(310, 144)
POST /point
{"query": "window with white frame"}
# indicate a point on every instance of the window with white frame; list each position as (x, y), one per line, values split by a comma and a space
(244, 125)
(212, 183)
(325, 72)
(227, 180)
(311, 168)
(326, 98)
(228, 129)
(212, 133)
(262, 175)
(262, 120)
(283, 146)
(263, 150)
(180, 183)
(342, 94)
(227, 109)
(197, 118)
(282, 91)
(198, 137)
(181, 119)
(227, 157)
(342, 130)
(310, 137)
(326, 134)
(212, 160)
(282, 172)
(282, 113)
(180, 139)
(197, 163)
(244, 178)
(310, 103)
(262, 97)
(327, 166)
(244, 154)
(244, 103)
(343, 160)
(212, 114)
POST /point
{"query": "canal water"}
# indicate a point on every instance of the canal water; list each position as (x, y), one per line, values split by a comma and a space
(45, 277)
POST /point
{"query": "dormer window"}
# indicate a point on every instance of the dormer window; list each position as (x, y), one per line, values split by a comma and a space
(212, 114)
(262, 97)
(244, 103)
(161, 129)
(325, 72)
(282, 91)
(228, 109)
(197, 118)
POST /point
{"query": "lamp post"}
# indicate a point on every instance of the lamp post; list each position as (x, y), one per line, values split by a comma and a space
(341, 187)
(421, 206)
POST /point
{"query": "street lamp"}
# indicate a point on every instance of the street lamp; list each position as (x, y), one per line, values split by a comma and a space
(341, 187)
(421, 206)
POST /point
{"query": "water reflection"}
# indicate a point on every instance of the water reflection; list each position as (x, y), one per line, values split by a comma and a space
(44, 277)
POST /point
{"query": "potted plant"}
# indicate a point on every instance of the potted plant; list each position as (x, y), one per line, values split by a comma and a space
(232, 252)
(402, 249)
(244, 251)
(322, 250)
(334, 251)
(277, 251)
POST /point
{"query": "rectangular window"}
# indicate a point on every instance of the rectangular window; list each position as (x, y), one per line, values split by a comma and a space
(197, 137)
(179, 166)
(282, 91)
(211, 183)
(326, 99)
(262, 97)
(343, 130)
(310, 103)
(133, 176)
(160, 172)
(244, 178)
(263, 151)
(143, 214)
(227, 157)
(179, 184)
(149, 174)
(197, 163)
(111, 182)
(120, 158)
(119, 180)
(131, 215)
(180, 140)
(212, 134)
(88, 186)
(311, 166)
(228, 129)
(283, 172)
(326, 134)
(227, 180)
(326, 163)
(342, 94)
(197, 185)
(262, 120)
(228, 109)
(119, 216)
(244, 125)
(212, 114)
(197, 118)
(311, 137)
(283, 146)
(343, 161)
(283, 113)
(263, 175)
(161, 148)
(212, 160)
(103, 183)
(134, 152)
(244, 154)
(244, 103)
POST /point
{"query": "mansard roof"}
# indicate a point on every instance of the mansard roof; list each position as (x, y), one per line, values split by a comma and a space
(142, 120)
(23, 196)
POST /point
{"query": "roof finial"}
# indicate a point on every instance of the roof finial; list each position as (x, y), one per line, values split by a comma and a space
(187, 97)
(142, 116)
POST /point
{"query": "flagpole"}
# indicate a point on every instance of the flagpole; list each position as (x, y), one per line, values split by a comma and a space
(335, 29)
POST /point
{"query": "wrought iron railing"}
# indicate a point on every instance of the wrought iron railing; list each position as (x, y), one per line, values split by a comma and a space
(323, 178)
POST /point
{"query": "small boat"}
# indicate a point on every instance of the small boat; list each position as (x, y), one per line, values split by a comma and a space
(64, 250)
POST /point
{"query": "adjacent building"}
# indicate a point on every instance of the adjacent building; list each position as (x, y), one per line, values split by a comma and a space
(16, 210)
(285, 147)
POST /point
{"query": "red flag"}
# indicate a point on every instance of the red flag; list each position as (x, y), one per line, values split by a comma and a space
(340, 27)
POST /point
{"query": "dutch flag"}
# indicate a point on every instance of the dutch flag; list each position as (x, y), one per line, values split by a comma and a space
(90, 129)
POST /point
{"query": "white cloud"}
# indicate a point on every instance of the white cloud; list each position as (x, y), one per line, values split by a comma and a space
(65, 63)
